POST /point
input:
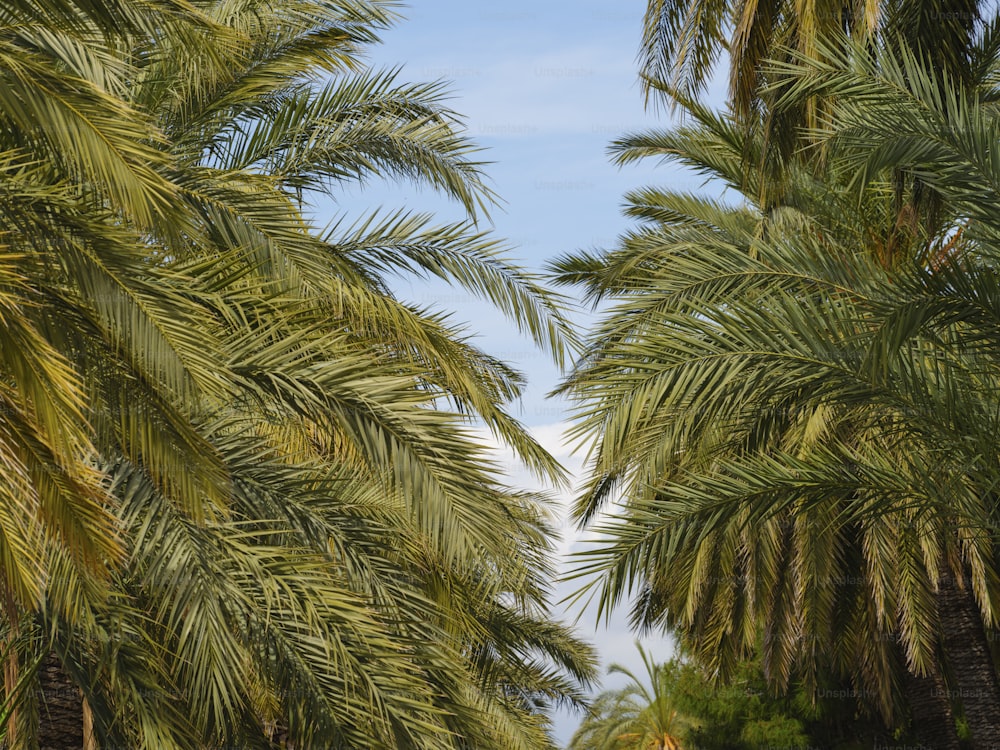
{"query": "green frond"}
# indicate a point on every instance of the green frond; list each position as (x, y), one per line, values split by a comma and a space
(87, 134)
(404, 242)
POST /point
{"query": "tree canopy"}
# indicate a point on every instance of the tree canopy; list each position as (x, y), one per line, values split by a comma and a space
(790, 392)
(244, 501)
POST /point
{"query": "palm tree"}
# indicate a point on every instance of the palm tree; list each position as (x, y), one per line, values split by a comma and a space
(283, 529)
(766, 43)
(642, 715)
(682, 40)
(70, 150)
(800, 432)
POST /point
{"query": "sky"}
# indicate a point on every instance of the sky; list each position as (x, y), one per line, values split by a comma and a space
(544, 87)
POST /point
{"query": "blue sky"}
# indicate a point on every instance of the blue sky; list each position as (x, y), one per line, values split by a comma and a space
(543, 87)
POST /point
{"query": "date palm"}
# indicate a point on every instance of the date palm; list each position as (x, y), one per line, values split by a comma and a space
(642, 715)
(73, 272)
(682, 40)
(765, 43)
(286, 530)
(797, 411)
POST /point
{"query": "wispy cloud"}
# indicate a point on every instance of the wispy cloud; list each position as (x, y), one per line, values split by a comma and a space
(554, 93)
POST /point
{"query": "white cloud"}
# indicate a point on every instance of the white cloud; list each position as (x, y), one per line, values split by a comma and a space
(614, 640)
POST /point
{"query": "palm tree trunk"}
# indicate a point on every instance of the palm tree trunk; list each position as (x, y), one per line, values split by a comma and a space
(60, 708)
(931, 717)
(10, 680)
(89, 740)
(11, 668)
(970, 661)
